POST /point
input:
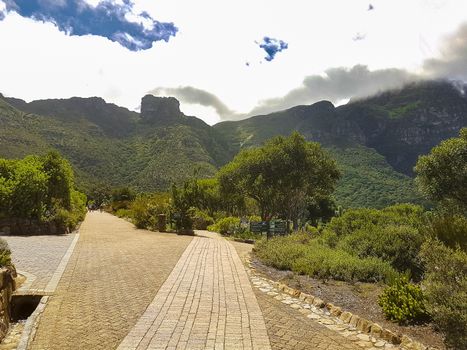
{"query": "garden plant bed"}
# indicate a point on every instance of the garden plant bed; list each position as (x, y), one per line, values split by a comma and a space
(358, 298)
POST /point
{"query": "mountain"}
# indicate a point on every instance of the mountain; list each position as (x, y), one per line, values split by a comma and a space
(107, 143)
(375, 140)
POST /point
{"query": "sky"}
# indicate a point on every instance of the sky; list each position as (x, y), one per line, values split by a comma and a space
(227, 60)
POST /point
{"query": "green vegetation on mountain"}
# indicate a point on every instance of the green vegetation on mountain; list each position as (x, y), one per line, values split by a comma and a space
(376, 141)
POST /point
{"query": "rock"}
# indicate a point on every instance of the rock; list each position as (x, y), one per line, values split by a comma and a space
(391, 337)
(345, 316)
(314, 316)
(363, 325)
(336, 311)
(376, 330)
(364, 337)
(318, 303)
(354, 320)
(409, 344)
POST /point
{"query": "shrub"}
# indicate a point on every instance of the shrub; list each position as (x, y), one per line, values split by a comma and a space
(224, 226)
(355, 219)
(201, 220)
(5, 253)
(398, 245)
(403, 302)
(145, 209)
(74, 215)
(451, 229)
(305, 255)
(446, 290)
(123, 213)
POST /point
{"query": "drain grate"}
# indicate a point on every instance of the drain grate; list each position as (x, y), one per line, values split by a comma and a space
(22, 306)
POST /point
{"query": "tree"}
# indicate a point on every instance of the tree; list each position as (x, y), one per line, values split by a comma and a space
(60, 180)
(442, 174)
(281, 176)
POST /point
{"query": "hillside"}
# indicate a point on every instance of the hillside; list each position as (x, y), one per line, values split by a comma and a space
(110, 144)
(376, 141)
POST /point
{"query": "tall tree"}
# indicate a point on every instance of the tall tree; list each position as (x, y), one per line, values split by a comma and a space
(281, 175)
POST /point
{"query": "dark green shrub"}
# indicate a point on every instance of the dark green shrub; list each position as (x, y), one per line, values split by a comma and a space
(146, 208)
(355, 219)
(228, 225)
(446, 291)
(403, 302)
(398, 245)
(449, 228)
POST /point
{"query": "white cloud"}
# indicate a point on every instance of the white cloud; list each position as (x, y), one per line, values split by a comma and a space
(214, 42)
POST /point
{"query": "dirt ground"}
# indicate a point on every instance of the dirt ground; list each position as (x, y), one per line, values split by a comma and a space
(358, 298)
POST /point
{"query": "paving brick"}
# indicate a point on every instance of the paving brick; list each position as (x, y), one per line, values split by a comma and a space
(113, 274)
(210, 285)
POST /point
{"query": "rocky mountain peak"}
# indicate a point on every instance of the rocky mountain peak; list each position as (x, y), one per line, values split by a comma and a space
(160, 109)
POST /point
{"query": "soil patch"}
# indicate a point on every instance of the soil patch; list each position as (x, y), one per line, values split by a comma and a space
(358, 298)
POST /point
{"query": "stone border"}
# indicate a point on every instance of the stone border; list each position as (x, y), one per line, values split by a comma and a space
(52, 285)
(364, 333)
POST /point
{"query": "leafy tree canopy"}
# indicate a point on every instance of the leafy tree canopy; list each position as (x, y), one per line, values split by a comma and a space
(281, 175)
(442, 174)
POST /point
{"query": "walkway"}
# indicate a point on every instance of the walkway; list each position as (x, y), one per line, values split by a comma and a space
(207, 302)
(132, 289)
(112, 276)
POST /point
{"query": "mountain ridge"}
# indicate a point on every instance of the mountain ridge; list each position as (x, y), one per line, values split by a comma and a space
(375, 140)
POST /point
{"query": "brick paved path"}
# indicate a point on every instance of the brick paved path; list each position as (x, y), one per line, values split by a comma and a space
(112, 276)
(39, 256)
(206, 303)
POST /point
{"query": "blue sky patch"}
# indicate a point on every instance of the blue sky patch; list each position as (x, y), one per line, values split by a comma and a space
(272, 47)
(114, 21)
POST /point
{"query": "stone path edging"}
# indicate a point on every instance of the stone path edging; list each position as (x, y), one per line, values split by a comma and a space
(52, 285)
(364, 333)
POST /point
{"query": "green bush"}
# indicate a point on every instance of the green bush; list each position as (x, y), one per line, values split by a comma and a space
(224, 226)
(41, 188)
(398, 245)
(146, 208)
(5, 253)
(403, 302)
(305, 255)
(446, 290)
(355, 219)
(123, 213)
(201, 220)
(74, 215)
(449, 228)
